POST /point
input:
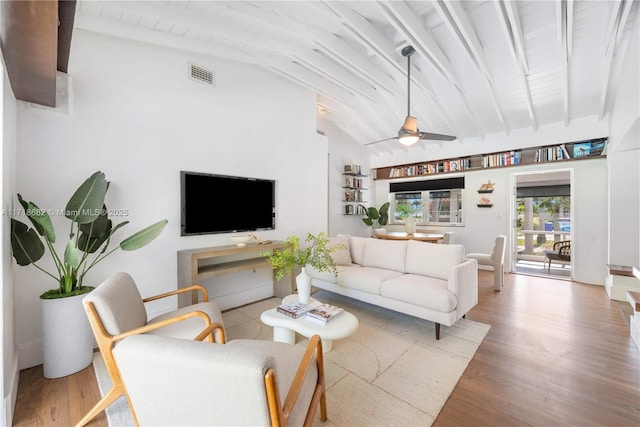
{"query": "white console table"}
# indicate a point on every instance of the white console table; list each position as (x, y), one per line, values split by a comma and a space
(195, 265)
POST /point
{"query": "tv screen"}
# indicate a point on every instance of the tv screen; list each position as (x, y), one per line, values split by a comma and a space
(225, 204)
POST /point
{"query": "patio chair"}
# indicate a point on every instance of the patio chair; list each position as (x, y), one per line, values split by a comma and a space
(561, 252)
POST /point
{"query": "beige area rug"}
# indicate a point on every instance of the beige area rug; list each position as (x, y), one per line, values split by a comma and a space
(391, 372)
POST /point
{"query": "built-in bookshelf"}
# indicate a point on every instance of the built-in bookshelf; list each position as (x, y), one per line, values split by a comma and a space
(569, 151)
(353, 190)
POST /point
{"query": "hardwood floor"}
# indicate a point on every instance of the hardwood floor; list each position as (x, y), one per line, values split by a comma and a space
(558, 353)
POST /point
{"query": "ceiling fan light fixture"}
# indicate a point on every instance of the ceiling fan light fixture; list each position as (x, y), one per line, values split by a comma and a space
(409, 133)
(408, 140)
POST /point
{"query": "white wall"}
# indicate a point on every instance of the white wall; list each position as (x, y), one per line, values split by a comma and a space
(136, 116)
(624, 160)
(481, 225)
(10, 373)
(344, 150)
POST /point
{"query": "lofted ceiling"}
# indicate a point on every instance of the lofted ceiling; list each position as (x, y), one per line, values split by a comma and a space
(480, 67)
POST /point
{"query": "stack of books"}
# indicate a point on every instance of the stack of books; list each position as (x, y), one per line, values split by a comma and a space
(324, 313)
(294, 310)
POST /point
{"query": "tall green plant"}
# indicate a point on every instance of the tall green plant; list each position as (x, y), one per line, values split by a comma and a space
(316, 253)
(89, 237)
(376, 217)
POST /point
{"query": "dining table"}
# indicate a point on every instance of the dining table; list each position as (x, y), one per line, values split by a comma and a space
(401, 235)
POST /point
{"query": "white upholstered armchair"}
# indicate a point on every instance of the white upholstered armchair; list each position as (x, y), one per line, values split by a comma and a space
(241, 383)
(116, 310)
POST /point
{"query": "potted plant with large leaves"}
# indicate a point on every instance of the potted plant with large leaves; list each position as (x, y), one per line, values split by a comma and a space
(376, 218)
(67, 337)
(316, 253)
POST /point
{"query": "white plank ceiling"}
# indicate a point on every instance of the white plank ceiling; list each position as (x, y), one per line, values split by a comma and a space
(480, 67)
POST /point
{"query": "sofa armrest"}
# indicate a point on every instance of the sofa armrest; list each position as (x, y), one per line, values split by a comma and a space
(463, 282)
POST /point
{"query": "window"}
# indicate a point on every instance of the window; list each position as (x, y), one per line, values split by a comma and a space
(443, 207)
(407, 204)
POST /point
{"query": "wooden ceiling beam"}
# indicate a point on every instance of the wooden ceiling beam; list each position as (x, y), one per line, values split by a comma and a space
(405, 21)
(562, 29)
(456, 20)
(617, 22)
(29, 43)
(516, 30)
(373, 40)
(367, 35)
(521, 72)
(66, 16)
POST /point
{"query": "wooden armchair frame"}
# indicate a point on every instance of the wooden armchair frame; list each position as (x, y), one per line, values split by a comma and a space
(561, 252)
(280, 414)
(106, 343)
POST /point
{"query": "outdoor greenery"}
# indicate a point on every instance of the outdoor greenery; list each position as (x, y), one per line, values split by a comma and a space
(90, 234)
(406, 209)
(316, 253)
(543, 209)
(376, 217)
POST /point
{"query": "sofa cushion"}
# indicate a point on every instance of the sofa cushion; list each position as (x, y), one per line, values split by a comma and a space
(387, 254)
(327, 276)
(433, 259)
(420, 290)
(341, 256)
(365, 279)
(357, 247)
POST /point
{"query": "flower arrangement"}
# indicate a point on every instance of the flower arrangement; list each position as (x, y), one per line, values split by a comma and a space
(316, 253)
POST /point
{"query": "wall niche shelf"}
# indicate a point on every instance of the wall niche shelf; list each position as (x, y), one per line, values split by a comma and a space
(568, 151)
(353, 190)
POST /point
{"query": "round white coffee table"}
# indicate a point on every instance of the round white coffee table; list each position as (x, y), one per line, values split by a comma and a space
(285, 327)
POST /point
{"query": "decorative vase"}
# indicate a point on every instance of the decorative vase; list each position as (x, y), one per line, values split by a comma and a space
(303, 283)
(410, 225)
(67, 339)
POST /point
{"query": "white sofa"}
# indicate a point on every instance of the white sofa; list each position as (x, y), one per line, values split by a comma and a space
(426, 280)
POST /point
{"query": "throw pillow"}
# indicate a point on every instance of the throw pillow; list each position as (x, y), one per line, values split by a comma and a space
(343, 255)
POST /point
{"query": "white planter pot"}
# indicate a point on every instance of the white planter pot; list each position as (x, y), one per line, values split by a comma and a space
(67, 338)
(303, 283)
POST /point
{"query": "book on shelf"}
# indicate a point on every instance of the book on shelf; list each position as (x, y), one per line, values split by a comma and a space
(324, 313)
(598, 148)
(581, 149)
(352, 170)
(295, 309)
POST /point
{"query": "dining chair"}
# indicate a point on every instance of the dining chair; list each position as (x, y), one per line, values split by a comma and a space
(495, 259)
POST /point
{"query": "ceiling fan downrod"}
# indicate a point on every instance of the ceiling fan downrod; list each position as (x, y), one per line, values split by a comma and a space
(408, 51)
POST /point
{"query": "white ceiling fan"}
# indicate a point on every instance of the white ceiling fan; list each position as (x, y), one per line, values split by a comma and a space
(409, 133)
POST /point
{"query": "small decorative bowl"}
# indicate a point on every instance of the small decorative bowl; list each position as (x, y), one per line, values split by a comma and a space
(241, 240)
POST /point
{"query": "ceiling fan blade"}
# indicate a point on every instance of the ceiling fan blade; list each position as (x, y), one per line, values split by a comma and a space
(382, 140)
(436, 136)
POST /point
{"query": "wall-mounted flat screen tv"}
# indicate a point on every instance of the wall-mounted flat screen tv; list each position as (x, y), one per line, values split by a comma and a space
(225, 204)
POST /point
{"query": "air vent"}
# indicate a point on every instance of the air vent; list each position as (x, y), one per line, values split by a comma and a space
(201, 74)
